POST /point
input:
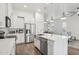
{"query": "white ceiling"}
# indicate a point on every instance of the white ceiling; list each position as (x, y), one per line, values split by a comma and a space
(31, 6)
(53, 9)
(35, 6)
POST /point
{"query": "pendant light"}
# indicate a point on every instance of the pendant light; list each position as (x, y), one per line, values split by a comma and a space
(63, 15)
(45, 14)
(78, 11)
(52, 20)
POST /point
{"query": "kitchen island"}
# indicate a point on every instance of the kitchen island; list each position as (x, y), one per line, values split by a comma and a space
(7, 46)
(52, 44)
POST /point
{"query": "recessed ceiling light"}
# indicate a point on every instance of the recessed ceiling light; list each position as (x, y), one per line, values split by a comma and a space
(47, 3)
(38, 10)
(52, 21)
(63, 18)
(25, 6)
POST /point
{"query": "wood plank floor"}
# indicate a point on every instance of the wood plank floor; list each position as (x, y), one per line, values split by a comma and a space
(26, 49)
(29, 49)
(73, 51)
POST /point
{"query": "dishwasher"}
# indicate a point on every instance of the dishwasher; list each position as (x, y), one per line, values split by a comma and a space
(43, 45)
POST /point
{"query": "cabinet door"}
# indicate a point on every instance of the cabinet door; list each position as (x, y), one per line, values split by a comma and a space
(20, 38)
(39, 27)
(13, 51)
(3, 13)
(39, 23)
(37, 43)
(50, 47)
(13, 47)
(10, 10)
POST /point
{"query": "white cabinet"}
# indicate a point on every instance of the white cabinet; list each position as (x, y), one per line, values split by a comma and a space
(39, 23)
(5, 10)
(7, 46)
(10, 9)
(39, 28)
(10, 12)
(58, 46)
(37, 43)
(13, 48)
(46, 48)
(3, 13)
(50, 47)
(20, 38)
(45, 26)
(52, 44)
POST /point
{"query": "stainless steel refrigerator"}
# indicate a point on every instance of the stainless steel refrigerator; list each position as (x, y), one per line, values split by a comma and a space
(29, 32)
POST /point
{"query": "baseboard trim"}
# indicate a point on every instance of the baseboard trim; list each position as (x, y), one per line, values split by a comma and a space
(20, 43)
(29, 42)
(24, 43)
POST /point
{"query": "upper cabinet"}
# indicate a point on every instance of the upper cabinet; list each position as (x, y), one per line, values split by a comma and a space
(3, 13)
(10, 9)
(5, 10)
(39, 20)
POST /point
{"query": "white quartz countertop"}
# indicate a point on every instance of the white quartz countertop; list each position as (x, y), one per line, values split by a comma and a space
(6, 46)
(59, 46)
(53, 36)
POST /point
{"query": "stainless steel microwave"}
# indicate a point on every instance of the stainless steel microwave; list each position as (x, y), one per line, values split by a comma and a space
(8, 21)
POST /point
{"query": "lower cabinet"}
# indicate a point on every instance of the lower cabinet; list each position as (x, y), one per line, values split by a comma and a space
(13, 48)
(50, 47)
(37, 43)
(20, 38)
(13, 51)
(57, 45)
(45, 46)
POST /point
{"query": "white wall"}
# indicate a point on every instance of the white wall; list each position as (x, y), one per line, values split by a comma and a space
(28, 16)
(73, 25)
(58, 27)
(39, 23)
(55, 10)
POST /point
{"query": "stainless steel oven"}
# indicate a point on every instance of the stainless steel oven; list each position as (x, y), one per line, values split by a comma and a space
(2, 34)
